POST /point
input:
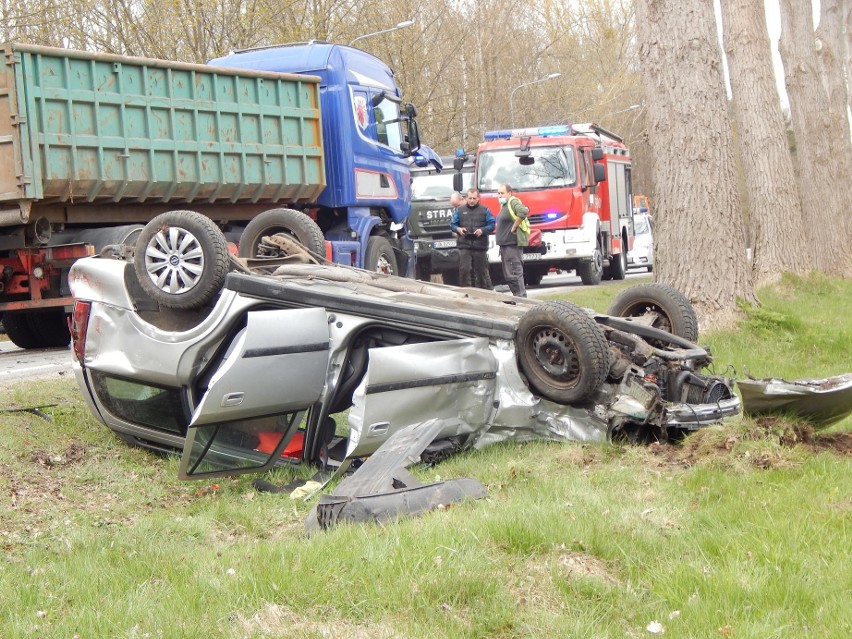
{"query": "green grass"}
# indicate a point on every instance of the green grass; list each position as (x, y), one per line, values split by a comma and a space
(739, 532)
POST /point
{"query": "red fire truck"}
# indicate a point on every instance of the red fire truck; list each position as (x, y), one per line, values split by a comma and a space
(576, 181)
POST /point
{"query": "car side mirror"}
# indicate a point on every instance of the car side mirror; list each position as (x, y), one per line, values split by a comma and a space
(597, 154)
(600, 173)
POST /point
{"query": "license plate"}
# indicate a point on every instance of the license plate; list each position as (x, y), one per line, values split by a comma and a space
(444, 244)
(531, 256)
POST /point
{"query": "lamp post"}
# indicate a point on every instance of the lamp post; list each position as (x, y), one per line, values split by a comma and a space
(397, 27)
(632, 107)
(521, 86)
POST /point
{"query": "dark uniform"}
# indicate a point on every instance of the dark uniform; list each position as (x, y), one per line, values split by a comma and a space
(473, 260)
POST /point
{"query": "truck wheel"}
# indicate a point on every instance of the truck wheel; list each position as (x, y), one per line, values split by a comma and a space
(562, 352)
(295, 224)
(37, 329)
(380, 257)
(665, 307)
(618, 266)
(591, 272)
(533, 278)
(450, 277)
(423, 269)
(181, 259)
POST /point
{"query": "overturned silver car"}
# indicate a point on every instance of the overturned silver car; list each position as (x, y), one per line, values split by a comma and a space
(282, 362)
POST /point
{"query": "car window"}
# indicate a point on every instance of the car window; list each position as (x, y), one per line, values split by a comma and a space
(143, 404)
(642, 225)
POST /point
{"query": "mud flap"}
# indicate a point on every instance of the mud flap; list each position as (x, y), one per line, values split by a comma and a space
(382, 489)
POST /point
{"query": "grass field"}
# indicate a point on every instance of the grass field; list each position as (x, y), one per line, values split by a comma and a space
(740, 531)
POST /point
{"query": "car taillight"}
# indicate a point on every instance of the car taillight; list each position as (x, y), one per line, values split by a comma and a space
(78, 324)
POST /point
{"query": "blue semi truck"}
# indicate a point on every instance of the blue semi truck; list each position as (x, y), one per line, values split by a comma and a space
(94, 146)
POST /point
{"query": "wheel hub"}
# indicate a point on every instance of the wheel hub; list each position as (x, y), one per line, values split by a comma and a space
(556, 355)
(174, 260)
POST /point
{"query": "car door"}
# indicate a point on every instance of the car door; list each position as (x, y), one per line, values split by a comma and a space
(273, 370)
(453, 380)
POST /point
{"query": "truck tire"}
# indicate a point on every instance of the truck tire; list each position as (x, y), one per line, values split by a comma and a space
(562, 352)
(380, 256)
(618, 265)
(665, 306)
(38, 329)
(591, 272)
(181, 259)
(423, 269)
(451, 278)
(295, 224)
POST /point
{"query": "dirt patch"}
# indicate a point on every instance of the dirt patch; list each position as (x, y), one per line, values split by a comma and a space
(74, 453)
(706, 445)
(279, 621)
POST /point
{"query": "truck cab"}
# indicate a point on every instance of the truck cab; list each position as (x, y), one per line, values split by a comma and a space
(368, 133)
(429, 221)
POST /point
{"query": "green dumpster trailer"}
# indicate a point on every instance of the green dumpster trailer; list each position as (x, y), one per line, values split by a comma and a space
(93, 146)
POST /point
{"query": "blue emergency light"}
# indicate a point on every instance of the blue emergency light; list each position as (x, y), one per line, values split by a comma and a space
(540, 131)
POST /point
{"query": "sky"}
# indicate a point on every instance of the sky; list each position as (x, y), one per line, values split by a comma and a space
(773, 26)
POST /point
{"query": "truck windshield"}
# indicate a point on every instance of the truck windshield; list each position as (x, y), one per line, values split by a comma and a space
(436, 186)
(551, 168)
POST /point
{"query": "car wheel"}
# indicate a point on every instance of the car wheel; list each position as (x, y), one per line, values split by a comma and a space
(618, 266)
(295, 224)
(665, 307)
(181, 259)
(591, 272)
(562, 352)
(380, 256)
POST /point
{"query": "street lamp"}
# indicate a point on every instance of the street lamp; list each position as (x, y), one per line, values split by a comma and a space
(401, 25)
(632, 107)
(521, 86)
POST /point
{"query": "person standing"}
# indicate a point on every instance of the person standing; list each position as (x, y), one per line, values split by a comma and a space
(513, 215)
(473, 223)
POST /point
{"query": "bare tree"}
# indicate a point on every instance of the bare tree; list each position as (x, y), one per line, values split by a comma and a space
(701, 242)
(770, 192)
(823, 192)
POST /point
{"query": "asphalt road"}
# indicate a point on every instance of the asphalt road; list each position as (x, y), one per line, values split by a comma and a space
(17, 364)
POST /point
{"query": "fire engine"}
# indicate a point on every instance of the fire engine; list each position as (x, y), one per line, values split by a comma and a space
(576, 181)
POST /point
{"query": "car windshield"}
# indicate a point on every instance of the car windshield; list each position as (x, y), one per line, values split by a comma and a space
(551, 167)
(642, 224)
(437, 186)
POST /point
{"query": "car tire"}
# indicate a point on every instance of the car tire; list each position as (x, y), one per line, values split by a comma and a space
(591, 272)
(181, 259)
(380, 256)
(296, 224)
(562, 352)
(668, 308)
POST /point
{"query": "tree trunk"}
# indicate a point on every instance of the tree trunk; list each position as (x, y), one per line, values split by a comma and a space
(770, 193)
(832, 54)
(821, 188)
(698, 225)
